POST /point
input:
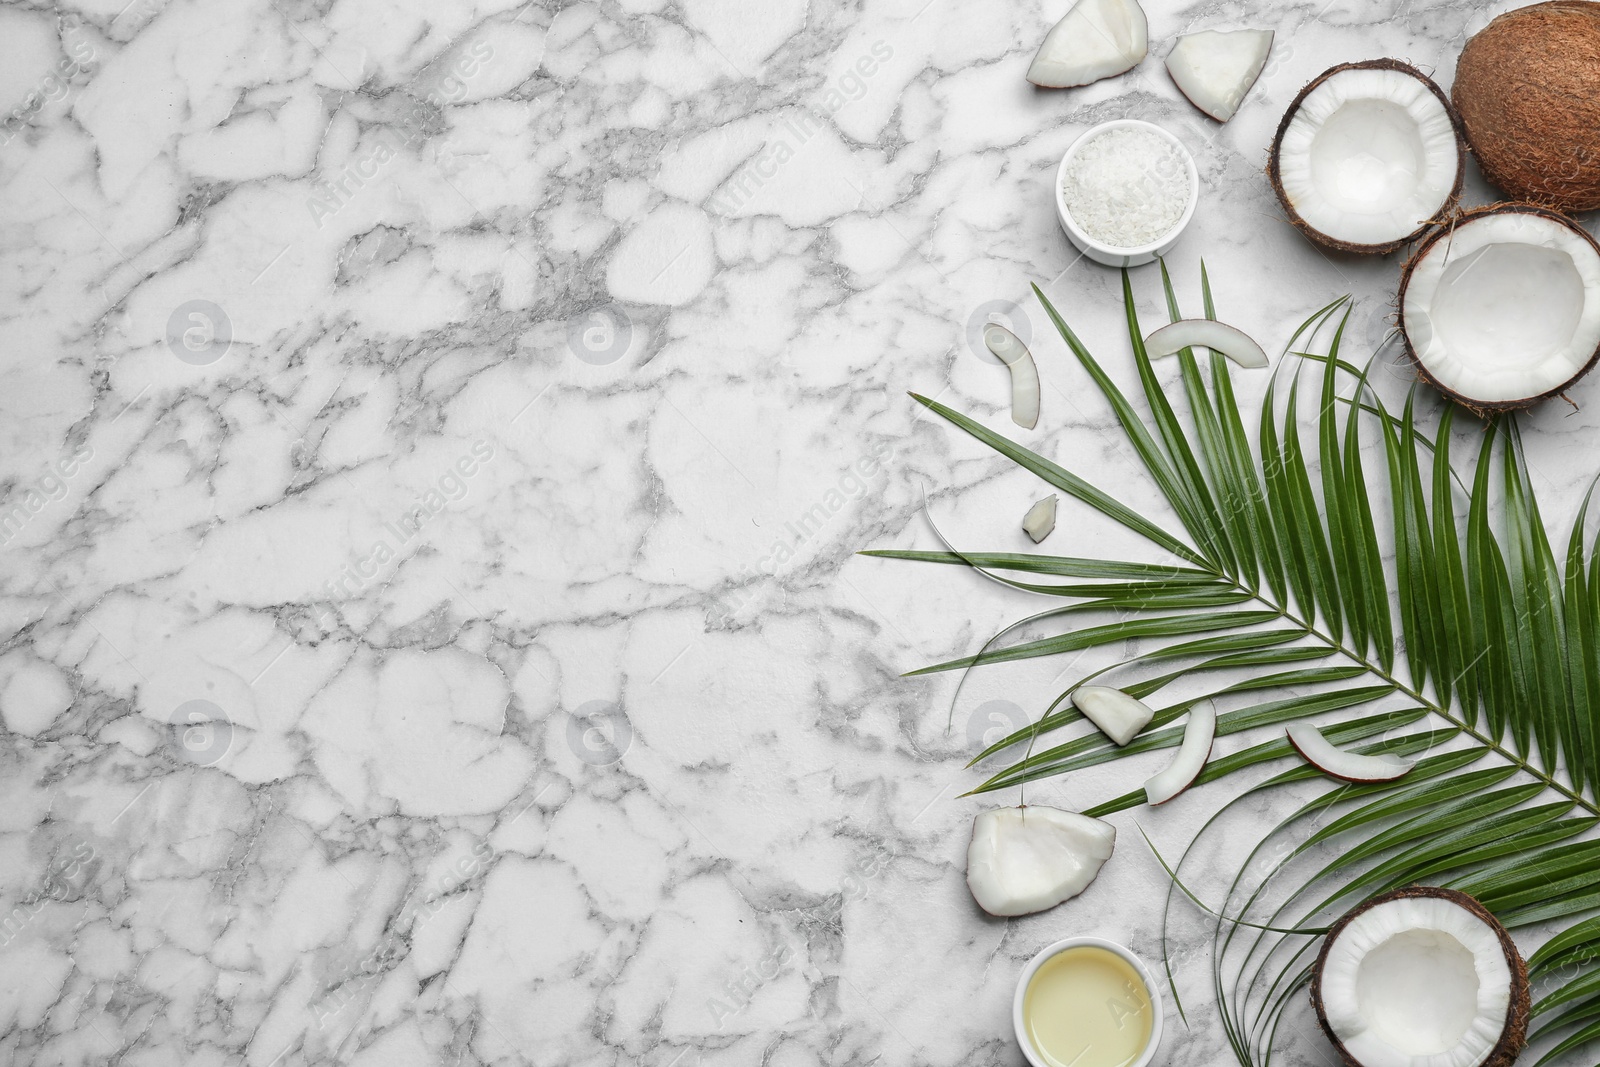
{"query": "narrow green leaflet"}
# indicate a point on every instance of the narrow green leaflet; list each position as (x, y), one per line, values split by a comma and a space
(1089, 637)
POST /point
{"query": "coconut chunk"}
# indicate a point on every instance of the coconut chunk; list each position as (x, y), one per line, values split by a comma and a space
(1422, 977)
(1366, 156)
(1096, 39)
(1332, 760)
(1503, 308)
(1230, 341)
(1040, 519)
(1119, 716)
(1009, 349)
(1023, 860)
(1214, 69)
(1198, 734)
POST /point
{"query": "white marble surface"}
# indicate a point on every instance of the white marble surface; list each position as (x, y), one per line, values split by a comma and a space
(412, 666)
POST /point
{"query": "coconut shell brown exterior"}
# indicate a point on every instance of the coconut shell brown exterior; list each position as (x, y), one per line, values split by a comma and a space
(1528, 91)
(1478, 407)
(1326, 240)
(1515, 1035)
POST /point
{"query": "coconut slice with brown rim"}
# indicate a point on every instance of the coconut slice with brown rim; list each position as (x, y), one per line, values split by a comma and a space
(1095, 39)
(1023, 860)
(1367, 156)
(1422, 977)
(1501, 308)
(1214, 69)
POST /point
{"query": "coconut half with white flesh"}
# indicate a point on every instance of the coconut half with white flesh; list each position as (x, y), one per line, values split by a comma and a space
(1214, 69)
(1096, 39)
(1422, 977)
(1501, 308)
(1367, 156)
(1023, 860)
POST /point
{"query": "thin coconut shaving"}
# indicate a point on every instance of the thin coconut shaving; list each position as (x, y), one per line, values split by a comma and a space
(1127, 187)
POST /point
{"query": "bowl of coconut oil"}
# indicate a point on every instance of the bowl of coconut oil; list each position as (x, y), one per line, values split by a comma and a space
(1087, 1002)
(1125, 191)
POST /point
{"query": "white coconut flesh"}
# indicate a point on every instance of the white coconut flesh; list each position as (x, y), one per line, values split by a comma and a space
(1198, 735)
(1504, 308)
(1330, 759)
(1417, 982)
(1023, 860)
(1214, 69)
(1096, 39)
(1218, 336)
(1119, 716)
(1009, 349)
(1369, 156)
(1040, 519)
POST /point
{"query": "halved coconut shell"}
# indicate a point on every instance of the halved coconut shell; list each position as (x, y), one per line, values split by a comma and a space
(1501, 307)
(1421, 975)
(1368, 156)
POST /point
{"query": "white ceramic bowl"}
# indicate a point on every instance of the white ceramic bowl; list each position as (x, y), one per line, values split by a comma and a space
(1111, 255)
(1034, 964)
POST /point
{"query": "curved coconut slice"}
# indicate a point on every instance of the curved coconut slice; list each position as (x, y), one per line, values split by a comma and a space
(1525, 90)
(1217, 336)
(1096, 39)
(1010, 350)
(1119, 716)
(1334, 761)
(1366, 156)
(1040, 519)
(1502, 308)
(1198, 734)
(1216, 68)
(1422, 977)
(1023, 860)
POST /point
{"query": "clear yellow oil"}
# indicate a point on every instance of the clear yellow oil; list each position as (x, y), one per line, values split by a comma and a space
(1087, 1007)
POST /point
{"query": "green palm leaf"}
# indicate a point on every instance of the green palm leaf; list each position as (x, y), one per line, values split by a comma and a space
(1330, 566)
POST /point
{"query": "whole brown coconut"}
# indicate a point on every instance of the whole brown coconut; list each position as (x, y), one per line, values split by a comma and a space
(1528, 92)
(1513, 1039)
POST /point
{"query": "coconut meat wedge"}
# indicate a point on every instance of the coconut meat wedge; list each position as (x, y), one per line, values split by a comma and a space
(1503, 307)
(1421, 977)
(1023, 860)
(1366, 156)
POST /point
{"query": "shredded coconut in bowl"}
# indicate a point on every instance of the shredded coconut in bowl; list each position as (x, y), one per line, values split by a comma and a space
(1126, 187)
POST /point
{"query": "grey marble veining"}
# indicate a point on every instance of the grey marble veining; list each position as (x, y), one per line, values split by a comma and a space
(435, 442)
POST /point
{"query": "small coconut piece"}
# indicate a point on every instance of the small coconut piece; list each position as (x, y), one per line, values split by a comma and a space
(1501, 308)
(1217, 336)
(1009, 349)
(1040, 519)
(1422, 977)
(1198, 734)
(1367, 156)
(1525, 90)
(1214, 69)
(1119, 716)
(1096, 39)
(1023, 860)
(1335, 762)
